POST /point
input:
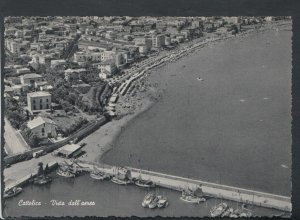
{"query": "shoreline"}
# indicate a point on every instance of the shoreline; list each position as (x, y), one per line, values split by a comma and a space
(103, 140)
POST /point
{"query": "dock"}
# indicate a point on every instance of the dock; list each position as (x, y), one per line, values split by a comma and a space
(25, 179)
(214, 190)
(177, 183)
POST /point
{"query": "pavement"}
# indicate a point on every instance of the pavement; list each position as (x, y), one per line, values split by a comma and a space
(14, 140)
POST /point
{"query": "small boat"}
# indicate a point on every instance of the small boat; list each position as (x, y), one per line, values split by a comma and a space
(148, 199)
(191, 198)
(227, 213)
(200, 79)
(144, 183)
(218, 210)
(154, 202)
(42, 180)
(233, 215)
(245, 215)
(64, 173)
(12, 192)
(119, 181)
(98, 176)
(162, 202)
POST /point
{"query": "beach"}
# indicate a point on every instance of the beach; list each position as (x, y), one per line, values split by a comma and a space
(228, 124)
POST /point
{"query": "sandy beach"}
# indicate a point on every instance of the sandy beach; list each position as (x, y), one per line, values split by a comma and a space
(222, 124)
(103, 140)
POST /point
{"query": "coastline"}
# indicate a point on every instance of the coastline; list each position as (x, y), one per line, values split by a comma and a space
(103, 140)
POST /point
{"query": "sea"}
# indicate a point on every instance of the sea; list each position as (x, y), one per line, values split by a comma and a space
(231, 127)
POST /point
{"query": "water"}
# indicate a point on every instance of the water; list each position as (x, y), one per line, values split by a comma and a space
(232, 128)
(110, 200)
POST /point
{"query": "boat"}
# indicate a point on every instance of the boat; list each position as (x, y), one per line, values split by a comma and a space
(65, 173)
(186, 197)
(233, 215)
(200, 79)
(162, 201)
(119, 181)
(227, 213)
(12, 192)
(153, 203)
(144, 183)
(218, 210)
(148, 199)
(245, 215)
(42, 180)
(98, 176)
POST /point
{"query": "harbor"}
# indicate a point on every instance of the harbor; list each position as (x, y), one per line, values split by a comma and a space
(209, 189)
(149, 179)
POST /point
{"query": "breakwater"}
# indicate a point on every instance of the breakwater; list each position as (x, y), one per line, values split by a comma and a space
(209, 189)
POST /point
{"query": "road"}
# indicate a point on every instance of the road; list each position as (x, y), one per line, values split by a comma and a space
(14, 140)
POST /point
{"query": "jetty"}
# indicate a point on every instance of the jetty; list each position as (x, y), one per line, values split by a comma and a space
(27, 177)
(173, 182)
(209, 189)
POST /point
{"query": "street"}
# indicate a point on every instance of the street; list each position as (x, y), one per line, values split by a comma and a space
(14, 140)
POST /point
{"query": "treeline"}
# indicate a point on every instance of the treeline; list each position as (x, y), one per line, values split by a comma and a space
(76, 126)
(95, 99)
(15, 113)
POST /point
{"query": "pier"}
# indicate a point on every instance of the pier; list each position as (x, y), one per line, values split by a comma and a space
(220, 191)
(25, 179)
(177, 183)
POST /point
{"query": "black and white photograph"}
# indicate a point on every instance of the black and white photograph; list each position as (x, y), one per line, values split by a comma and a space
(147, 116)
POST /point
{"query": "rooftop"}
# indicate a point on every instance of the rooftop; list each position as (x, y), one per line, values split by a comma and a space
(31, 75)
(69, 149)
(39, 121)
(38, 94)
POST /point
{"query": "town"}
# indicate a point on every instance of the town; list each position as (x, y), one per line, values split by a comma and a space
(62, 72)
(66, 77)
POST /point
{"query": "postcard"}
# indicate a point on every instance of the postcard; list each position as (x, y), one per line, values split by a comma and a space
(147, 116)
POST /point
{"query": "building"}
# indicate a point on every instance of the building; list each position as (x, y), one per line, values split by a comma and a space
(13, 46)
(43, 127)
(43, 86)
(69, 150)
(23, 70)
(143, 41)
(167, 41)
(58, 63)
(107, 69)
(37, 101)
(82, 57)
(31, 78)
(108, 55)
(72, 74)
(269, 18)
(232, 20)
(186, 33)
(158, 40)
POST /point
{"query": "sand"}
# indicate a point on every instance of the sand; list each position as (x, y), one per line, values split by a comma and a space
(102, 140)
